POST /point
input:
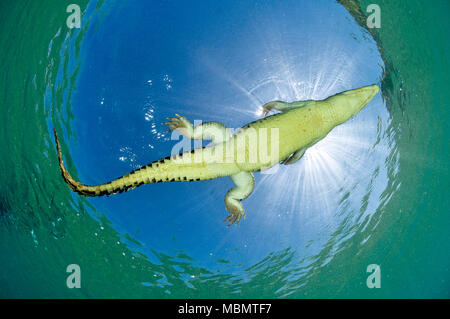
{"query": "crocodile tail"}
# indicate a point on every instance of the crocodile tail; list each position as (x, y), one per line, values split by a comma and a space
(163, 170)
(119, 185)
(98, 190)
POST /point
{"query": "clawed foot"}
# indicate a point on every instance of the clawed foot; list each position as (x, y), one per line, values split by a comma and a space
(179, 123)
(234, 217)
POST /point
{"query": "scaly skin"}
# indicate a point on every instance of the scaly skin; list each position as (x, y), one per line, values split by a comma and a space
(300, 125)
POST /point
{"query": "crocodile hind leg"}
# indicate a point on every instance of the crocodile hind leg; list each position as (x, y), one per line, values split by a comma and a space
(214, 131)
(297, 155)
(245, 182)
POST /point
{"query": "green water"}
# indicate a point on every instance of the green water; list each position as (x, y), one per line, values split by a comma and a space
(44, 227)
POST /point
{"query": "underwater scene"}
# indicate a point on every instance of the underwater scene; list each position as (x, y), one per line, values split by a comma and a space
(355, 205)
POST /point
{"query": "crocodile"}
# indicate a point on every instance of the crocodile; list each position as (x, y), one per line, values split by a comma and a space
(288, 134)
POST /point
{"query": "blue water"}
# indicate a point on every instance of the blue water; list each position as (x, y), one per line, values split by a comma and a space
(209, 64)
